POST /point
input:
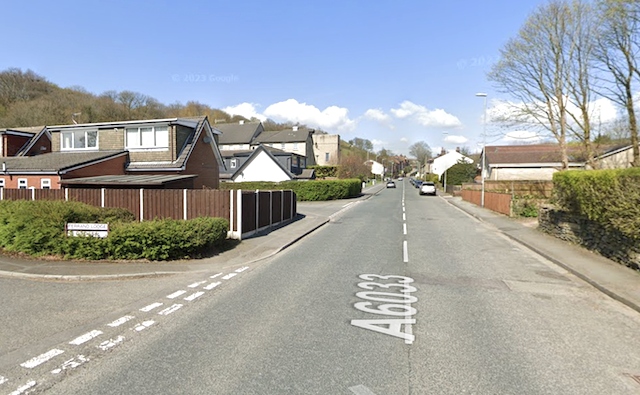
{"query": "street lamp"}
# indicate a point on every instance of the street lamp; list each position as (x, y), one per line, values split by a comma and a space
(484, 136)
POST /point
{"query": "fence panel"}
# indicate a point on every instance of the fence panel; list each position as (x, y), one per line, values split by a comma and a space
(88, 196)
(163, 203)
(248, 211)
(124, 198)
(276, 206)
(208, 203)
(264, 209)
(498, 202)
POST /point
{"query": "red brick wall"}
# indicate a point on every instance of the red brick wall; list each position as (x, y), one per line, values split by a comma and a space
(11, 180)
(12, 144)
(114, 166)
(42, 146)
(203, 162)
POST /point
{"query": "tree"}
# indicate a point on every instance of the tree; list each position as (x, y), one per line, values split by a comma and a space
(543, 69)
(421, 151)
(352, 166)
(362, 144)
(618, 44)
(461, 173)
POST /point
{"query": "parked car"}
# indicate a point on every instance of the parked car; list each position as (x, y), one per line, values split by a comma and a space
(391, 184)
(417, 183)
(428, 188)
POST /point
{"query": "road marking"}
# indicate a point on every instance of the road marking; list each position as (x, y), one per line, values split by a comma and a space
(192, 297)
(347, 205)
(197, 284)
(144, 325)
(176, 294)
(404, 216)
(171, 309)
(242, 269)
(24, 388)
(361, 390)
(121, 321)
(152, 306)
(71, 364)
(3, 379)
(212, 286)
(85, 338)
(230, 275)
(216, 275)
(42, 358)
(107, 344)
(404, 228)
(405, 252)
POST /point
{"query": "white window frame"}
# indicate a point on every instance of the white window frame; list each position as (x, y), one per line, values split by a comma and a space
(1, 182)
(45, 183)
(282, 146)
(69, 144)
(156, 139)
(327, 155)
(234, 163)
(295, 146)
(23, 183)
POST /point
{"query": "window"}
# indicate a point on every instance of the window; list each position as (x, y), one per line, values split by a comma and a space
(22, 183)
(45, 183)
(79, 139)
(147, 137)
(1, 182)
(281, 145)
(234, 163)
(295, 146)
(326, 157)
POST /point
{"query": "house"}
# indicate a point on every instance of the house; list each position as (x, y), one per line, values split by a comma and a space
(264, 164)
(27, 141)
(617, 157)
(528, 162)
(445, 161)
(182, 150)
(326, 149)
(238, 136)
(295, 140)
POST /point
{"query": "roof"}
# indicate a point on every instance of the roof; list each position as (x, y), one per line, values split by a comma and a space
(533, 154)
(54, 162)
(237, 133)
(26, 131)
(284, 136)
(128, 180)
(191, 122)
(254, 154)
(248, 152)
(307, 174)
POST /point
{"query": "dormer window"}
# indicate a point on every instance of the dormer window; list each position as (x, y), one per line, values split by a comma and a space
(79, 139)
(147, 137)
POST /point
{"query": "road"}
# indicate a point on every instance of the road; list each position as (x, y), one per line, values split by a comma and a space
(400, 294)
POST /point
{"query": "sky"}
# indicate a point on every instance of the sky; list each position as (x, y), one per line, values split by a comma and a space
(393, 72)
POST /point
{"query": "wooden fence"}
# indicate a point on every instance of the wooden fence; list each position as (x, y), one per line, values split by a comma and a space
(248, 212)
(498, 202)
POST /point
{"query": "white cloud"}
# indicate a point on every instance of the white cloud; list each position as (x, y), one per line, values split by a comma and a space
(424, 116)
(404, 140)
(247, 110)
(377, 115)
(455, 139)
(330, 119)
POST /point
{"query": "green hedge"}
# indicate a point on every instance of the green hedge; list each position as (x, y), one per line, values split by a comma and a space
(316, 190)
(37, 228)
(608, 197)
(325, 171)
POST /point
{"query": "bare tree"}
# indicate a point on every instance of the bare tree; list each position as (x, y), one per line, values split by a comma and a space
(421, 151)
(536, 67)
(616, 52)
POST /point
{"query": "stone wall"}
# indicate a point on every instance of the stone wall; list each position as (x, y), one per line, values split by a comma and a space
(593, 236)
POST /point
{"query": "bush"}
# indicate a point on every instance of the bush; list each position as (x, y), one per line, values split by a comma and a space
(37, 228)
(608, 197)
(306, 190)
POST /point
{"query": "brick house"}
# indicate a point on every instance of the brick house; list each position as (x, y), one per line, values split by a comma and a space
(173, 148)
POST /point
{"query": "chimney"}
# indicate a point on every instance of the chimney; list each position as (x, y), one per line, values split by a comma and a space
(443, 152)
(458, 149)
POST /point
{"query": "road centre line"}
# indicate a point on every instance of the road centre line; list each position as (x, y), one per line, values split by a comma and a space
(86, 337)
(23, 388)
(42, 358)
(404, 228)
(361, 390)
(144, 325)
(216, 275)
(405, 252)
(192, 297)
(170, 309)
(242, 269)
(150, 307)
(120, 321)
(176, 294)
(212, 286)
(230, 275)
(196, 284)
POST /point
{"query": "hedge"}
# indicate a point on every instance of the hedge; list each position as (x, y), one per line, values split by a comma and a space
(608, 197)
(37, 228)
(316, 190)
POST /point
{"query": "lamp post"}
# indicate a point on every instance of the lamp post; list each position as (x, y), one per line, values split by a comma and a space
(484, 136)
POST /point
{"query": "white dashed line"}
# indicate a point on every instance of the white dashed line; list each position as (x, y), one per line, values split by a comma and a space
(212, 286)
(171, 309)
(404, 228)
(152, 306)
(230, 275)
(3, 379)
(192, 297)
(24, 388)
(242, 269)
(107, 344)
(361, 390)
(71, 364)
(85, 338)
(404, 216)
(216, 275)
(176, 294)
(121, 321)
(42, 358)
(405, 252)
(144, 325)
(197, 284)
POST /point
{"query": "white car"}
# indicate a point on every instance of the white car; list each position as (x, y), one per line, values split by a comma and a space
(428, 188)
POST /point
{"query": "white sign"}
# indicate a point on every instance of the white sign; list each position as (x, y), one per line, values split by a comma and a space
(87, 229)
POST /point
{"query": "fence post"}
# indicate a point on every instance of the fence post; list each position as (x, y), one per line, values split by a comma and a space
(184, 204)
(102, 191)
(231, 212)
(270, 208)
(281, 205)
(239, 212)
(257, 192)
(141, 204)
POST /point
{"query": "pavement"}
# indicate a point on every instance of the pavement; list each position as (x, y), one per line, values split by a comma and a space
(611, 278)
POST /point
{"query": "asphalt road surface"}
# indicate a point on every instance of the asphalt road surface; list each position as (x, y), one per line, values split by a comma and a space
(400, 294)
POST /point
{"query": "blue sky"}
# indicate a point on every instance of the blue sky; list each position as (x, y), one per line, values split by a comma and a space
(394, 72)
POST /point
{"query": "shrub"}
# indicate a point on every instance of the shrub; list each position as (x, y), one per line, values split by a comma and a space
(306, 190)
